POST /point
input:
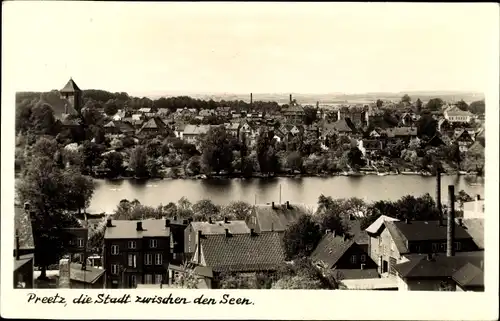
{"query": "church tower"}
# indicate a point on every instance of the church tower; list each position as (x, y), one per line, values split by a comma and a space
(72, 93)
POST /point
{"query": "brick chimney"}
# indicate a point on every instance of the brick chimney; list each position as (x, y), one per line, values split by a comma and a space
(362, 266)
(199, 246)
(251, 98)
(64, 274)
(287, 205)
(272, 205)
(139, 226)
(226, 220)
(290, 99)
(438, 197)
(190, 219)
(167, 223)
(252, 232)
(227, 232)
(185, 222)
(109, 223)
(18, 255)
(450, 228)
(210, 220)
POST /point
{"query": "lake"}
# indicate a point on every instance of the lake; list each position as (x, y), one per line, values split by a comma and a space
(108, 193)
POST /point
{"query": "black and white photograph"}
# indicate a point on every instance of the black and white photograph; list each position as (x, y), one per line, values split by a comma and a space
(295, 146)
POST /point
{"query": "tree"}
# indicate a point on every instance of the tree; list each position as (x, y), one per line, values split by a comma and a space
(138, 161)
(92, 154)
(301, 238)
(406, 99)
(193, 167)
(462, 197)
(435, 104)
(266, 154)
(184, 208)
(426, 126)
(462, 105)
(45, 146)
(110, 108)
(297, 282)
(237, 210)
(355, 157)
(419, 105)
(79, 190)
(453, 154)
(310, 115)
(114, 162)
(50, 192)
(294, 161)
(217, 153)
(379, 103)
(477, 107)
(205, 209)
(42, 119)
(330, 215)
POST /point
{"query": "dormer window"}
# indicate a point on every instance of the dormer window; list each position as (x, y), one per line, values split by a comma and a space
(153, 243)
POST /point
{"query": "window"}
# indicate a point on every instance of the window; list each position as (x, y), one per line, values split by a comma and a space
(189, 238)
(148, 279)
(133, 281)
(363, 258)
(132, 260)
(458, 246)
(174, 256)
(435, 247)
(148, 259)
(172, 244)
(132, 245)
(158, 278)
(353, 258)
(114, 249)
(114, 269)
(158, 259)
(80, 242)
(443, 247)
(153, 243)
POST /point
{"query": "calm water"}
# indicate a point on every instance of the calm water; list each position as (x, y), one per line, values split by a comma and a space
(298, 190)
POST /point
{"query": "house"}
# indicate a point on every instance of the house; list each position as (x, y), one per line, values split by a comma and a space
(475, 228)
(72, 95)
(125, 128)
(177, 228)
(120, 114)
(209, 228)
(76, 239)
(153, 126)
(192, 132)
(248, 132)
(179, 130)
(275, 217)
(463, 139)
(293, 112)
(163, 112)
(242, 254)
(405, 133)
(436, 141)
(223, 111)
(391, 240)
(454, 115)
(202, 273)
(86, 277)
(356, 115)
(207, 113)
(136, 252)
(111, 128)
(441, 273)
(134, 121)
(474, 209)
(370, 146)
(232, 129)
(345, 256)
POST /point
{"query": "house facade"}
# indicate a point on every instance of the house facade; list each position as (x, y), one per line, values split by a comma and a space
(136, 252)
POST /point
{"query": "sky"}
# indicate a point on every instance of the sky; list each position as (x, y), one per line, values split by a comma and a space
(154, 48)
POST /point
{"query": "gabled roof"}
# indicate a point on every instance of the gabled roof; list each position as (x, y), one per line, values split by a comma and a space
(330, 249)
(475, 228)
(428, 230)
(196, 130)
(469, 275)
(89, 275)
(357, 274)
(359, 236)
(111, 124)
(341, 125)
(439, 266)
(243, 252)
(154, 123)
(125, 229)
(401, 131)
(376, 227)
(219, 227)
(70, 87)
(277, 218)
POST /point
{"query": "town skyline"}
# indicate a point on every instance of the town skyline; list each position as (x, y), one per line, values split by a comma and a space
(239, 48)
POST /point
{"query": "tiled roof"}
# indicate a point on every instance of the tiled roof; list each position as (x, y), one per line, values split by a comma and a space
(124, 229)
(70, 87)
(419, 266)
(330, 249)
(279, 218)
(398, 238)
(243, 252)
(341, 125)
(469, 275)
(428, 230)
(154, 123)
(401, 131)
(376, 226)
(359, 236)
(475, 228)
(22, 224)
(196, 130)
(89, 275)
(219, 227)
(357, 274)
(111, 124)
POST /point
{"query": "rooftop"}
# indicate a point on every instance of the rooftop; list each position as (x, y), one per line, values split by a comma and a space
(330, 249)
(279, 217)
(243, 252)
(125, 229)
(89, 275)
(219, 227)
(71, 87)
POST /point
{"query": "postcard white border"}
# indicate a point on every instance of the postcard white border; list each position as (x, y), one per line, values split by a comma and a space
(270, 304)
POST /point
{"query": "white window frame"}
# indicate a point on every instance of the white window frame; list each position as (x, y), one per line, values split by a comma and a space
(458, 246)
(148, 259)
(115, 249)
(133, 279)
(80, 242)
(153, 243)
(354, 259)
(148, 278)
(158, 278)
(435, 247)
(114, 269)
(363, 258)
(132, 260)
(132, 245)
(158, 259)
